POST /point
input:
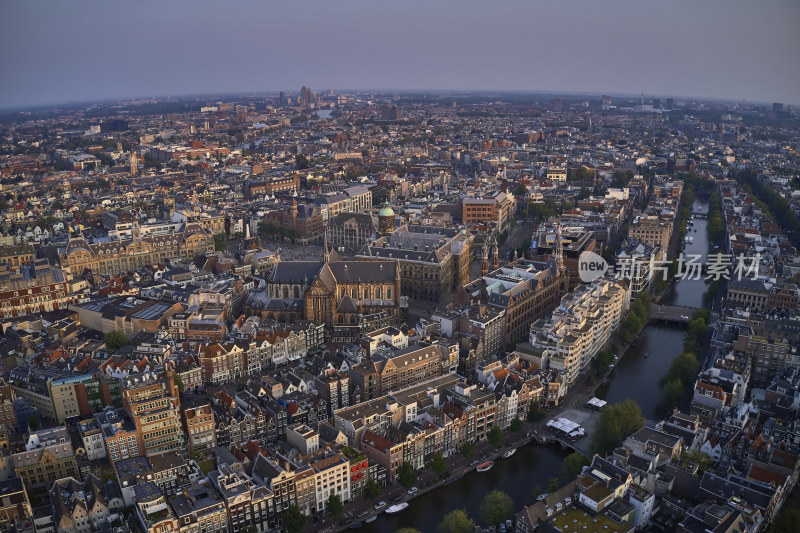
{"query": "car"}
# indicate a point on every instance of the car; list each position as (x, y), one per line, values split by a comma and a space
(363, 513)
(509, 524)
(497, 450)
(502, 528)
(381, 504)
(412, 490)
(397, 499)
(473, 462)
(684, 317)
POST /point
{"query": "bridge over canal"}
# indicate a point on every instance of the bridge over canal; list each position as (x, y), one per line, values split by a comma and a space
(677, 314)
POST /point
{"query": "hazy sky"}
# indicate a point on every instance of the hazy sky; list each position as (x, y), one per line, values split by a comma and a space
(64, 51)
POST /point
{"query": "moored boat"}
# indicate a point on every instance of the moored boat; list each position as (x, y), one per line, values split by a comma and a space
(371, 519)
(396, 508)
(483, 467)
(509, 453)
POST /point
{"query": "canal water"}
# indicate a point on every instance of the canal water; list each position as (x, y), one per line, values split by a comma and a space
(636, 376)
(533, 465)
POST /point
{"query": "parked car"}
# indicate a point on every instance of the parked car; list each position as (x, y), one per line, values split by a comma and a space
(412, 490)
(502, 528)
(397, 499)
(381, 504)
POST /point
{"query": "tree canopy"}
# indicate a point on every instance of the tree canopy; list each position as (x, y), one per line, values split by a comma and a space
(615, 423)
(334, 506)
(294, 519)
(496, 507)
(457, 521)
(573, 464)
(115, 339)
(406, 475)
(495, 436)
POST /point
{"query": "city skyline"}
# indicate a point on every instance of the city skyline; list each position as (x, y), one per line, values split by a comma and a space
(104, 53)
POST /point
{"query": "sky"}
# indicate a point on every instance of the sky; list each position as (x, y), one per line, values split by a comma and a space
(87, 50)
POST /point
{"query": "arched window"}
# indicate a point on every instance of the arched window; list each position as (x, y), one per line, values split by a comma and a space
(286, 292)
(297, 292)
(378, 293)
(388, 294)
(354, 294)
(366, 293)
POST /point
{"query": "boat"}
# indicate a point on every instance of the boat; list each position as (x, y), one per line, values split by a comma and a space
(483, 467)
(509, 453)
(371, 519)
(396, 508)
(454, 480)
(356, 525)
(541, 497)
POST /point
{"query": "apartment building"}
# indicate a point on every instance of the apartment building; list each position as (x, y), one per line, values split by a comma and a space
(48, 456)
(652, 230)
(579, 328)
(152, 402)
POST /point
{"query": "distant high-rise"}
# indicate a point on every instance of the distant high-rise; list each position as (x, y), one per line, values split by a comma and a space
(558, 105)
(388, 112)
(282, 99)
(656, 103)
(134, 164)
(777, 107)
(670, 103)
(306, 96)
(606, 100)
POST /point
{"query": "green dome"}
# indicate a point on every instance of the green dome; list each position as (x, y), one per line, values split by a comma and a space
(386, 211)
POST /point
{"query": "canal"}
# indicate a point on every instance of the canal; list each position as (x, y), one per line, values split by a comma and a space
(637, 376)
(531, 467)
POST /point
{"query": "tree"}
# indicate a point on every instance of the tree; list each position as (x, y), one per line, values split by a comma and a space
(301, 161)
(334, 506)
(219, 243)
(616, 422)
(516, 424)
(496, 507)
(408, 530)
(406, 475)
(787, 521)
(535, 413)
(179, 383)
(371, 490)
(438, 464)
(467, 449)
(553, 485)
(115, 339)
(573, 464)
(294, 519)
(457, 521)
(33, 422)
(521, 190)
(495, 436)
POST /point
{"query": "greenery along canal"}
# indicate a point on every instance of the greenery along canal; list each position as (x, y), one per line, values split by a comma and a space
(639, 373)
(523, 476)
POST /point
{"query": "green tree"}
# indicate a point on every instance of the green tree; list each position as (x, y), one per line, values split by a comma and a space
(672, 394)
(179, 383)
(294, 519)
(33, 423)
(495, 436)
(334, 506)
(467, 449)
(301, 161)
(553, 485)
(406, 475)
(616, 422)
(219, 242)
(535, 413)
(438, 464)
(496, 507)
(115, 339)
(408, 530)
(371, 490)
(457, 521)
(521, 190)
(516, 424)
(787, 521)
(573, 464)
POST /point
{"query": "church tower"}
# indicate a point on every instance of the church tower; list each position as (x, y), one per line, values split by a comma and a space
(495, 254)
(485, 259)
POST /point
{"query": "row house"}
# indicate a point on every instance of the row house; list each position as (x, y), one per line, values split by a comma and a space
(248, 505)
